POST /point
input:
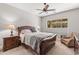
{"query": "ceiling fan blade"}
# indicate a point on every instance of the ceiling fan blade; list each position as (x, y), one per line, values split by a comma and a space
(39, 9)
(51, 10)
(41, 12)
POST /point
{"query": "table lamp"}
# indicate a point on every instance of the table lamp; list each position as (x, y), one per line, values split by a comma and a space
(11, 27)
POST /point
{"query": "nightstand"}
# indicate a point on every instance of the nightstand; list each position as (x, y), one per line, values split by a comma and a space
(11, 42)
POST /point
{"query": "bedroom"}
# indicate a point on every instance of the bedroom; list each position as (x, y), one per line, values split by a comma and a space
(18, 16)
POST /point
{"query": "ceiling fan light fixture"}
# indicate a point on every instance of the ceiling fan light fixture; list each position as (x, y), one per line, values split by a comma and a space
(45, 9)
(44, 3)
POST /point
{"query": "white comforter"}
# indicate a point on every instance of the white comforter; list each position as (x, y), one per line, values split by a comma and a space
(28, 39)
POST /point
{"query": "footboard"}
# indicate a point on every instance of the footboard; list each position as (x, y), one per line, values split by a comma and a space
(46, 45)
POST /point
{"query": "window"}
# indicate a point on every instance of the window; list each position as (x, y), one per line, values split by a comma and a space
(59, 23)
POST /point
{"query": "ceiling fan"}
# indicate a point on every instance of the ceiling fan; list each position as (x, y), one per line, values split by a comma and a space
(45, 9)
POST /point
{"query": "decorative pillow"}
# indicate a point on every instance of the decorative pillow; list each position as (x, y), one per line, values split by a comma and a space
(37, 29)
(33, 29)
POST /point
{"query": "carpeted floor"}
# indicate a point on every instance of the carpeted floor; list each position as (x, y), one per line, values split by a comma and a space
(61, 49)
(17, 51)
(58, 49)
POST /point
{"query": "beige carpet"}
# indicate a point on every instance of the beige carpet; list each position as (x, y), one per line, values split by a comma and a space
(17, 51)
(59, 49)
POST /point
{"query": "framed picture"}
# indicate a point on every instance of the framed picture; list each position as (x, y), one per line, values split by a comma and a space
(59, 23)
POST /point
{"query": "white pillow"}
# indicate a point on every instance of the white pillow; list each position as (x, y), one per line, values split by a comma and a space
(26, 31)
(37, 30)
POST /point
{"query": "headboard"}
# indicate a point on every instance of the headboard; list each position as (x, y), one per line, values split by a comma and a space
(26, 27)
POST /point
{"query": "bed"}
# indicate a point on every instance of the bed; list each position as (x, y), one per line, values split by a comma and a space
(39, 42)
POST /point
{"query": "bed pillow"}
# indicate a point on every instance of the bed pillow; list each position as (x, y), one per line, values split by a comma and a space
(26, 31)
(33, 29)
(37, 30)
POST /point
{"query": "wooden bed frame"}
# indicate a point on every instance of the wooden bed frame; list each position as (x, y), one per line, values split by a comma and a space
(45, 45)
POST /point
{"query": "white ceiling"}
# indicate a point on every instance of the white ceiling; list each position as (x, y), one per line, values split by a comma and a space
(31, 7)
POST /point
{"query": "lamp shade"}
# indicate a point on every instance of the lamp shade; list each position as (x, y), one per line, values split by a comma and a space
(11, 26)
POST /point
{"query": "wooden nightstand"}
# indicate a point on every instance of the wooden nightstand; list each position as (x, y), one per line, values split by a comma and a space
(11, 42)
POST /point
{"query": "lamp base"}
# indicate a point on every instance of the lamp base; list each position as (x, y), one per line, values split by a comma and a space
(11, 33)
